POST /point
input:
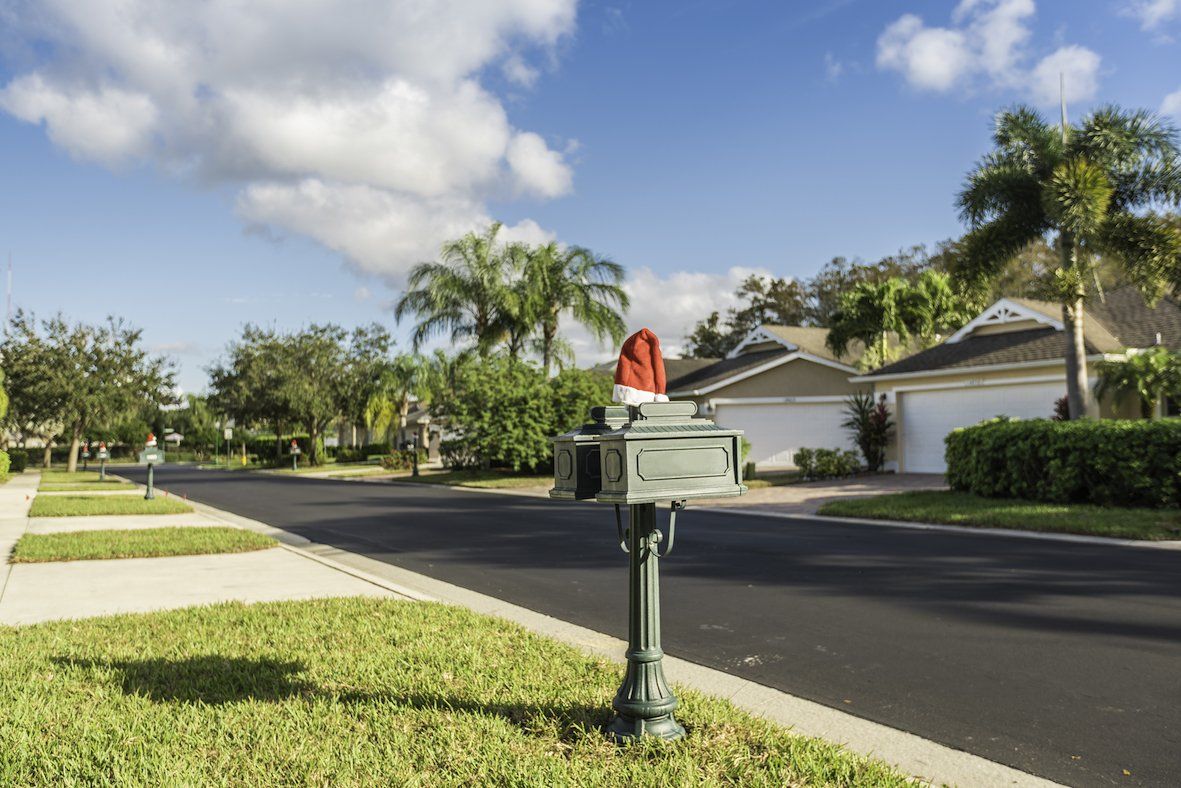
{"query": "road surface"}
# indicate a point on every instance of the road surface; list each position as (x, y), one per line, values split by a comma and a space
(1059, 659)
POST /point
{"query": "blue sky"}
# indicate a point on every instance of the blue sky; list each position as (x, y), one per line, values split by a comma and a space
(690, 141)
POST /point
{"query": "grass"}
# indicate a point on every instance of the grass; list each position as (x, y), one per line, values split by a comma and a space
(110, 484)
(958, 508)
(52, 476)
(356, 692)
(136, 543)
(80, 505)
(494, 479)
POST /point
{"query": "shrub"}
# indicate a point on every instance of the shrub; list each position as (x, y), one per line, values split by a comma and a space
(826, 463)
(402, 459)
(871, 426)
(1107, 462)
(457, 455)
(5, 462)
(19, 459)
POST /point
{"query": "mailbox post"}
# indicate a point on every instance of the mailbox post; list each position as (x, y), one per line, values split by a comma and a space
(295, 452)
(151, 456)
(640, 456)
(103, 456)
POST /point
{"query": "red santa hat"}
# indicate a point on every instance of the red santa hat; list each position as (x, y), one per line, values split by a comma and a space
(151, 440)
(639, 375)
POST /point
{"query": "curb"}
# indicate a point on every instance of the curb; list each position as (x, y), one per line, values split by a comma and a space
(1169, 544)
(929, 761)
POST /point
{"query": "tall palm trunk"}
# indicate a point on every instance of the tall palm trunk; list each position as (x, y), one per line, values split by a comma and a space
(548, 332)
(1077, 390)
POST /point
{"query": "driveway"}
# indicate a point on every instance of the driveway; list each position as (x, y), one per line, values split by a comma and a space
(808, 497)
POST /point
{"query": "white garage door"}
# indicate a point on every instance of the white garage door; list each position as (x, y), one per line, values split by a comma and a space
(927, 416)
(775, 431)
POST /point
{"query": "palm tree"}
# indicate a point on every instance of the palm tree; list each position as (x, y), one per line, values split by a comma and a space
(399, 383)
(575, 279)
(463, 294)
(1092, 186)
(1148, 376)
(869, 313)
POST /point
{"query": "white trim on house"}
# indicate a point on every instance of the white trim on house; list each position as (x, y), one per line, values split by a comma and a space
(930, 373)
(776, 400)
(758, 336)
(772, 364)
(1002, 312)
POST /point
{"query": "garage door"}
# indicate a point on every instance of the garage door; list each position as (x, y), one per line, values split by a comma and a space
(776, 431)
(927, 416)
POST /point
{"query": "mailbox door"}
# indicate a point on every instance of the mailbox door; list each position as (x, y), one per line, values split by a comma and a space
(660, 469)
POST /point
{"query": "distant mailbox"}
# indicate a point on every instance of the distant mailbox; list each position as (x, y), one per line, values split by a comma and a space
(151, 456)
(577, 472)
(665, 454)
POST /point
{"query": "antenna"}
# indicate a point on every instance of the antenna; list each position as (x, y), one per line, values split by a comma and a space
(1062, 99)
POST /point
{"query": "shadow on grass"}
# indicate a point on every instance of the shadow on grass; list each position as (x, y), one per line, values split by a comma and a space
(217, 680)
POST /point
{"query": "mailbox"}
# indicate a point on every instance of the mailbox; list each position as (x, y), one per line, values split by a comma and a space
(151, 456)
(665, 454)
(576, 454)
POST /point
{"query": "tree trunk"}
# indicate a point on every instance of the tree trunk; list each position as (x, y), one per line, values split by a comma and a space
(314, 449)
(354, 435)
(1077, 390)
(47, 458)
(547, 347)
(75, 441)
(278, 442)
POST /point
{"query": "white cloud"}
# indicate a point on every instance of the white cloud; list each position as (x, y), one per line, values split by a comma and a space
(670, 305)
(364, 126)
(986, 44)
(1153, 13)
(833, 68)
(1172, 104)
(1079, 66)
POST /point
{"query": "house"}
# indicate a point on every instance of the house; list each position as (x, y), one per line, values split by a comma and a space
(1009, 361)
(781, 385)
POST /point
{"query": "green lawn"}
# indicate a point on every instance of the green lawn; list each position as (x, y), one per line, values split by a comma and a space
(356, 692)
(110, 484)
(52, 476)
(957, 508)
(136, 543)
(77, 505)
(479, 479)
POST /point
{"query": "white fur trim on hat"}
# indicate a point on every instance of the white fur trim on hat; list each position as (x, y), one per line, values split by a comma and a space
(627, 395)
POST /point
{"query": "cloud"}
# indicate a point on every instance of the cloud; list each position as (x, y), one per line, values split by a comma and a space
(328, 120)
(669, 304)
(1153, 13)
(1172, 104)
(833, 68)
(987, 44)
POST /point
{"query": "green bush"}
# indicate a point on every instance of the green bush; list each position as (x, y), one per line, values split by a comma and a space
(826, 463)
(402, 459)
(5, 463)
(1107, 462)
(504, 411)
(19, 459)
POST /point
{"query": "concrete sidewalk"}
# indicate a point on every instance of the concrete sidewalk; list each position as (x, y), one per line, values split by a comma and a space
(31, 593)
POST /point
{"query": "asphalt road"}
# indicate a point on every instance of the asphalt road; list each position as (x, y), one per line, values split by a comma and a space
(1059, 659)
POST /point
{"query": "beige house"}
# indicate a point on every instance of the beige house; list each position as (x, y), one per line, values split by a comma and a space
(781, 385)
(1009, 361)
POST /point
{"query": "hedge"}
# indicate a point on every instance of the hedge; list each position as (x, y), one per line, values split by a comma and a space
(4, 463)
(18, 459)
(1106, 462)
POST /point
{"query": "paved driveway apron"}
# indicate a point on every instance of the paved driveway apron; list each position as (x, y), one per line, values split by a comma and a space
(1063, 660)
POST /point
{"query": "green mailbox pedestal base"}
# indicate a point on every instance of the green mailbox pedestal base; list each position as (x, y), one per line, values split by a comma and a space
(151, 493)
(644, 702)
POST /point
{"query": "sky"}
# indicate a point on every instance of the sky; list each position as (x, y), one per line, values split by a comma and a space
(195, 167)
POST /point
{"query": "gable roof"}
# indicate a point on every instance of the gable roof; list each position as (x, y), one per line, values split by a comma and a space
(721, 370)
(1122, 320)
(808, 339)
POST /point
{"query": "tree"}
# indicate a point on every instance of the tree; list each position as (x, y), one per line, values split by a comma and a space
(710, 339)
(400, 381)
(250, 386)
(1148, 376)
(869, 313)
(35, 399)
(368, 356)
(312, 364)
(764, 300)
(1093, 188)
(91, 374)
(574, 279)
(462, 295)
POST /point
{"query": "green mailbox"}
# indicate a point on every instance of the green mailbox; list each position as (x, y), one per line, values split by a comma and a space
(664, 454)
(640, 455)
(151, 456)
(576, 454)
